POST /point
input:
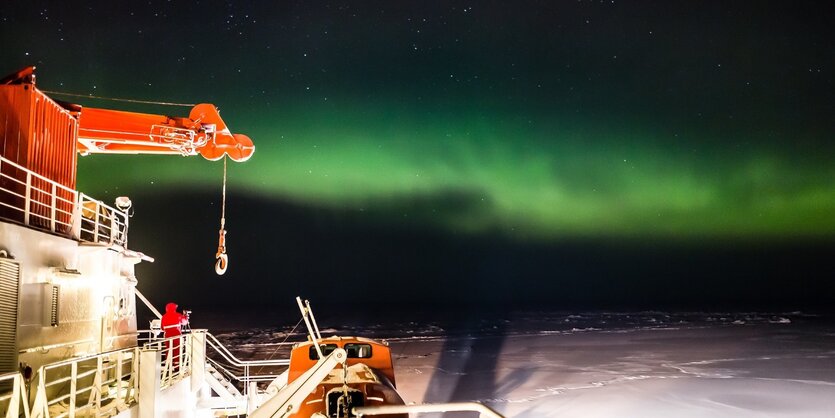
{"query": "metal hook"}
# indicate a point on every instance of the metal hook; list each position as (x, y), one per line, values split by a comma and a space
(221, 264)
(222, 260)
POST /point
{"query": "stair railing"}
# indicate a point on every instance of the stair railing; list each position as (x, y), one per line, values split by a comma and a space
(239, 370)
(14, 403)
(229, 357)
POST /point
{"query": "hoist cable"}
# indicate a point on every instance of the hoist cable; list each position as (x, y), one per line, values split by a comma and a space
(221, 259)
(223, 204)
(114, 99)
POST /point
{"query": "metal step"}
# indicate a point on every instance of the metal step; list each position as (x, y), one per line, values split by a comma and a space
(231, 396)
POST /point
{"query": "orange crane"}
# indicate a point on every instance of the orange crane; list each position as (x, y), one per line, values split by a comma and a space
(105, 131)
(203, 132)
(118, 132)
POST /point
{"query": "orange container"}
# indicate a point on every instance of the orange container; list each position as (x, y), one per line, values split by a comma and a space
(41, 136)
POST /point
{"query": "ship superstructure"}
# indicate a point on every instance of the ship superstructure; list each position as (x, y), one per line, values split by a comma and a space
(69, 341)
(74, 293)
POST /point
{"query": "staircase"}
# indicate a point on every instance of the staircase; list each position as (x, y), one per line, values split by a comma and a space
(229, 398)
(227, 375)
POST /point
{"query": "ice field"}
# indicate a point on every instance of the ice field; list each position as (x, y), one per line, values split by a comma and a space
(649, 364)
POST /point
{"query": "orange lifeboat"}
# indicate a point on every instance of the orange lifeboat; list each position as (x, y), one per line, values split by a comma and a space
(367, 379)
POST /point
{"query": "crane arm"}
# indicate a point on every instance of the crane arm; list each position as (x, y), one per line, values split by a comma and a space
(203, 132)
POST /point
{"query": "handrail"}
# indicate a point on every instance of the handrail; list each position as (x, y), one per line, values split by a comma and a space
(38, 202)
(82, 382)
(69, 361)
(220, 348)
(39, 176)
(242, 378)
(482, 410)
(240, 369)
(17, 399)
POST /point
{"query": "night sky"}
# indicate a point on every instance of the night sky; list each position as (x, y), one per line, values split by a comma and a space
(565, 155)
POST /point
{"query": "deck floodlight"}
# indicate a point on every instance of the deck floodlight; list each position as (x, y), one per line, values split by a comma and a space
(123, 203)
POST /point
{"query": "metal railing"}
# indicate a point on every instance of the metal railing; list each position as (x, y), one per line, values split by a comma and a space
(482, 410)
(90, 385)
(14, 402)
(99, 385)
(235, 369)
(236, 380)
(176, 359)
(100, 222)
(242, 370)
(33, 200)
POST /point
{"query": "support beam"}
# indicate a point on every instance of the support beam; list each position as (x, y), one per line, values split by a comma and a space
(149, 383)
(147, 303)
(197, 344)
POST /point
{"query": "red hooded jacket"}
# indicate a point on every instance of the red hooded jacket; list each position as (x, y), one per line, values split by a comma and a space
(172, 320)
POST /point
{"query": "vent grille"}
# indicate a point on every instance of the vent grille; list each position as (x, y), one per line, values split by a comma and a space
(9, 297)
(53, 313)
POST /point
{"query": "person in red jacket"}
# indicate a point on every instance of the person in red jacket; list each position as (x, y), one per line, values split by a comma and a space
(171, 324)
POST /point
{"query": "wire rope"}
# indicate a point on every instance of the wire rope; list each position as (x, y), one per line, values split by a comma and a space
(221, 259)
(281, 344)
(223, 204)
(114, 99)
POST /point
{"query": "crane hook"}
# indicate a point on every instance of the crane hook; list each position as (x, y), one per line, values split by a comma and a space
(221, 259)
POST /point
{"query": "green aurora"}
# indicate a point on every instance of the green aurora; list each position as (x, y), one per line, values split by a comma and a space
(548, 120)
(528, 177)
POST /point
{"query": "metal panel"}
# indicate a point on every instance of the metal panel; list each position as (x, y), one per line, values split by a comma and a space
(41, 136)
(14, 131)
(9, 299)
(51, 153)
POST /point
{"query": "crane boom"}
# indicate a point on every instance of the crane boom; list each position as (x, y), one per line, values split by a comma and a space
(203, 132)
(43, 135)
(109, 131)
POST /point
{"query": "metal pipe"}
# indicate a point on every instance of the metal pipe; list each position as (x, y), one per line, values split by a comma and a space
(309, 327)
(224, 352)
(483, 411)
(28, 201)
(313, 319)
(147, 303)
(54, 207)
